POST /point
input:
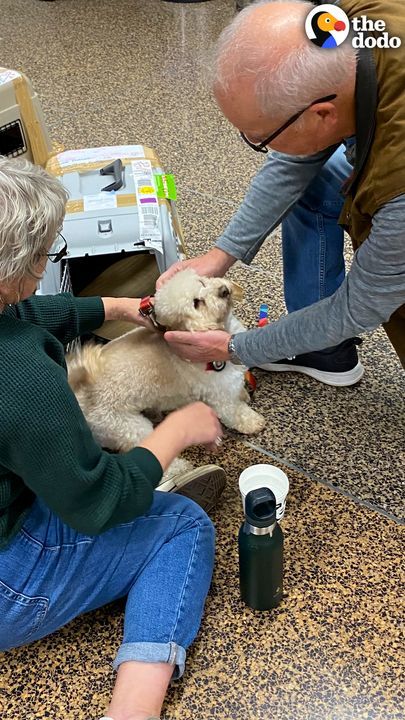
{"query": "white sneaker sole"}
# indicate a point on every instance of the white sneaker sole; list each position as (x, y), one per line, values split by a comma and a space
(338, 379)
(204, 485)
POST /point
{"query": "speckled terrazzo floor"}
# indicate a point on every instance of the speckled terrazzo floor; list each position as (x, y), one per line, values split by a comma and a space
(331, 651)
(110, 73)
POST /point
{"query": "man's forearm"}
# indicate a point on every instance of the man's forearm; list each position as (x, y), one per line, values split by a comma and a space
(221, 260)
(372, 290)
(275, 188)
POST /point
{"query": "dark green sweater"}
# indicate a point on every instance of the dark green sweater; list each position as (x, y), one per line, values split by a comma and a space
(46, 447)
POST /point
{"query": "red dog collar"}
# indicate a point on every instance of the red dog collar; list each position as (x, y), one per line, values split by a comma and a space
(147, 310)
(145, 306)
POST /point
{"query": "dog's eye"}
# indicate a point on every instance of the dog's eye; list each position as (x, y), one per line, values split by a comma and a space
(197, 302)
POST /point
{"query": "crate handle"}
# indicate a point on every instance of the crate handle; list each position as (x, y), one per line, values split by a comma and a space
(115, 168)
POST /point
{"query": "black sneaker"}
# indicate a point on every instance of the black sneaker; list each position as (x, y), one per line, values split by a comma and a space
(338, 365)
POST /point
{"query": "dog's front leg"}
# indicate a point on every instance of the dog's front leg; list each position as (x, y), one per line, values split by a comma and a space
(224, 391)
(226, 394)
(239, 416)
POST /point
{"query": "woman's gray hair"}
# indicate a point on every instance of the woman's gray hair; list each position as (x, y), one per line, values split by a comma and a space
(32, 208)
(285, 79)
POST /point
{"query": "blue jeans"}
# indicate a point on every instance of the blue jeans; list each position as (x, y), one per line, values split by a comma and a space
(312, 240)
(162, 562)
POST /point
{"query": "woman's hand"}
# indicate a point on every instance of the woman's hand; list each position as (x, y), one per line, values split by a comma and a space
(199, 423)
(126, 309)
(214, 263)
(194, 424)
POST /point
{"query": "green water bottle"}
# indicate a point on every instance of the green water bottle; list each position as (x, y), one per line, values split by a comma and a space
(261, 552)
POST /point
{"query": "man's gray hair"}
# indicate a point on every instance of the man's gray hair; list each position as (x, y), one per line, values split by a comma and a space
(285, 79)
(32, 208)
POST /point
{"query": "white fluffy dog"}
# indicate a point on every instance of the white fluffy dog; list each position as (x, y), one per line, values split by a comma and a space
(138, 372)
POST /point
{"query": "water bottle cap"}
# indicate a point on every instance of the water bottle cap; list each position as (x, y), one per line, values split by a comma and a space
(260, 507)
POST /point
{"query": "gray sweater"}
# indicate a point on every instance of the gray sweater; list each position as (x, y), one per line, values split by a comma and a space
(372, 290)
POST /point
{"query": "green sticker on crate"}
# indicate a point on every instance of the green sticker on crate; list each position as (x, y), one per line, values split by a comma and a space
(166, 187)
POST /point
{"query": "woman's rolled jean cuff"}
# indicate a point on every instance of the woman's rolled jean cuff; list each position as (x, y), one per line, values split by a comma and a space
(153, 653)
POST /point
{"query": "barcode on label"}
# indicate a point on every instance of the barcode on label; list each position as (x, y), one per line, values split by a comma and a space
(149, 210)
(144, 179)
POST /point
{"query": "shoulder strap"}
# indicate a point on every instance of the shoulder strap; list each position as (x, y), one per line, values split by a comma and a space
(366, 105)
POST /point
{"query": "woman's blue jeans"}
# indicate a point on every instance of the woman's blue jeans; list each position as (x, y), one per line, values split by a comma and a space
(162, 562)
(312, 240)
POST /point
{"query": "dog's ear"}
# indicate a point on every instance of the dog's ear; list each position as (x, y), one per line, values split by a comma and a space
(238, 292)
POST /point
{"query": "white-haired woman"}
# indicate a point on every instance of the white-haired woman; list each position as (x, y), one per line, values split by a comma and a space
(79, 526)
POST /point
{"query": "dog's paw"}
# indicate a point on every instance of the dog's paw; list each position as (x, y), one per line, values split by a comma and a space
(255, 424)
(248, 421)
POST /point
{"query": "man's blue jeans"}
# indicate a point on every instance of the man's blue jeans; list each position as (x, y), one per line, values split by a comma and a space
(162, 562)
(312, 240)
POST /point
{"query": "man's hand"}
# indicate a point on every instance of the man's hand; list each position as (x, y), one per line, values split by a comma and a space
(199, 347)
(214, 263)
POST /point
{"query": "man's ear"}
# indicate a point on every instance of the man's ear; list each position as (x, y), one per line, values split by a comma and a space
(324, 110)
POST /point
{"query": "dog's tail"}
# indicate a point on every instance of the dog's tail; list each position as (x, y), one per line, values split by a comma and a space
(84, 366)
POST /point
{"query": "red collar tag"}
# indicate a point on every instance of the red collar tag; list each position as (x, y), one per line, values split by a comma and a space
(250, 382)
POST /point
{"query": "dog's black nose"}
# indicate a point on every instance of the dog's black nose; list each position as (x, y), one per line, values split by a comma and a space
(223, 291)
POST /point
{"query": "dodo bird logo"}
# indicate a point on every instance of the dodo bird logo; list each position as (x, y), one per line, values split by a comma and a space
(327, 26)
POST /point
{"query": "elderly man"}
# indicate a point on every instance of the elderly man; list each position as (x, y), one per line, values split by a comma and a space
(335, 121)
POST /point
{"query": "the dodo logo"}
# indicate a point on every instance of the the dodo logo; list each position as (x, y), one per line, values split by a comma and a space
(327, 26)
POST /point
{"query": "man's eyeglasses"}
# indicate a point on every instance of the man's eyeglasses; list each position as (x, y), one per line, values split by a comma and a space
(262, 146)
(58, 249)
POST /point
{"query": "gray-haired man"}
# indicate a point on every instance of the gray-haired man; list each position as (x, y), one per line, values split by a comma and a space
(310, 105)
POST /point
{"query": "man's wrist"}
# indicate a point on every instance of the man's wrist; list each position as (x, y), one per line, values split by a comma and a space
(222, 259)
(233, 355)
